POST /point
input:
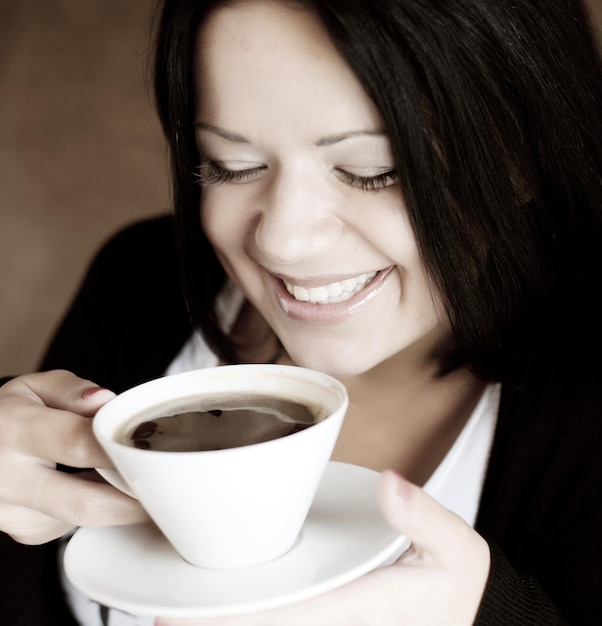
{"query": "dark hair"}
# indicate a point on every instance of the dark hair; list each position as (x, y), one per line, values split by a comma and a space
(492, 109)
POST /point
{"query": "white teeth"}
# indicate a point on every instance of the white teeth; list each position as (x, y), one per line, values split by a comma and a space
(299, 293)
(334, 290)
(331, 293)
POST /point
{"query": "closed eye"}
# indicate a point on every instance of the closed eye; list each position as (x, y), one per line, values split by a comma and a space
(211, 173)
(374, 182)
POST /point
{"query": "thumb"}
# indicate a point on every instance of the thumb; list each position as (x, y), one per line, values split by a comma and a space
(92, 398)
(60, 389)
(431, 528)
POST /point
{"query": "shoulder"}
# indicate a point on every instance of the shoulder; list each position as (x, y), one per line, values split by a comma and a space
(149, 241)
(140, 261)
(541, 497)
(554, 414)
(547, 444)
(159, 228)
(561, 384)
(129, 317)
(548, 436)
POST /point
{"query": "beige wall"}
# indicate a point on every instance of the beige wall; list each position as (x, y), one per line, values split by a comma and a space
(80, 153)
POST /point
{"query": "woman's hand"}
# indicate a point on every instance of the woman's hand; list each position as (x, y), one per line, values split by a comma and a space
(44, 420)
(439, 580)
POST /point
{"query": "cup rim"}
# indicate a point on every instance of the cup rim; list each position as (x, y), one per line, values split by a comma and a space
(106, 422)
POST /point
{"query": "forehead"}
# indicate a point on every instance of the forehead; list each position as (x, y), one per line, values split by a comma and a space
(278, 52)
(256, 26)
(250, 20)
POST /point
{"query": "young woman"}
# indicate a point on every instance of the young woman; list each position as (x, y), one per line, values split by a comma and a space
(406, 195)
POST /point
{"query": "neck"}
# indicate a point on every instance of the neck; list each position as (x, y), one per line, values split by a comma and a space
(404, 416)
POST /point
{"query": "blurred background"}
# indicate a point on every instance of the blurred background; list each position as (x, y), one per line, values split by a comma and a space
(81, 153)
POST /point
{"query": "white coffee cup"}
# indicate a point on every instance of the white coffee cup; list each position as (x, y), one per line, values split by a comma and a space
(234, 507)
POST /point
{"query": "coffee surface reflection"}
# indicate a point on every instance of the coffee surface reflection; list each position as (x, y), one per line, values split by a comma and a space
(225, 423)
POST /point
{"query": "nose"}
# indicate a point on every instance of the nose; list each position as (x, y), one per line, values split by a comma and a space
(298, 217)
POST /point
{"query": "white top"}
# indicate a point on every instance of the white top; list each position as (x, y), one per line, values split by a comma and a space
(456, 483)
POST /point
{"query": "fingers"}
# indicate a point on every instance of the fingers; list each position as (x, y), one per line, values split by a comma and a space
(45, 503)
(60, 389)
(444, 549)
(437, 534)
(43, 420)
(54, 435)
(31, 527)
(29, 427)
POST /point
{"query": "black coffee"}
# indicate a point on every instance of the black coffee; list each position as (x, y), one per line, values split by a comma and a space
(229, 423)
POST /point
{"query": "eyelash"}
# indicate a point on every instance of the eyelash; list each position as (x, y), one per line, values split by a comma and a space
(369, 183)
(210, 174)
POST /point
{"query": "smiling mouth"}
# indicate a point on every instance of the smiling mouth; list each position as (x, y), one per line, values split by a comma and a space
(331, 293)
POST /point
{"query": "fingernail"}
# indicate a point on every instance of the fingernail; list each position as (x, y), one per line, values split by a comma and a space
(88, 393)
(403, 487)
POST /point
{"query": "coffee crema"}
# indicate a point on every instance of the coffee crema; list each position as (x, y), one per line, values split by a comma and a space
(221, 424)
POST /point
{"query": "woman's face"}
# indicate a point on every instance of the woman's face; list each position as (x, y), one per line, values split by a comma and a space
(300, 199)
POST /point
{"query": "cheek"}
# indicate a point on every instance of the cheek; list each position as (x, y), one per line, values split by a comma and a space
(388, 230)
(227, 214)
(221, 246)
(210, 219)
(219, 221)
(217, 233)
(228, 229)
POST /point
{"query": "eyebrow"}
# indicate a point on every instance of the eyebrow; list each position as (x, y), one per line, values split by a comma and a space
(329, 140)
(332, 139)
(216, 130)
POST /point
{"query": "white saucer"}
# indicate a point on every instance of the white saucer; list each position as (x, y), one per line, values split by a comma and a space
(135, 569)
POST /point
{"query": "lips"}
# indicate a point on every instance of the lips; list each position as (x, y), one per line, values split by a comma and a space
(330, 293)
(327, 301)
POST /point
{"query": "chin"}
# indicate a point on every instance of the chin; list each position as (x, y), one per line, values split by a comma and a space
(335, 363)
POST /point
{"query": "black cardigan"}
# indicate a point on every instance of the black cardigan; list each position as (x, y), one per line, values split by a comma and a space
(541, 507)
